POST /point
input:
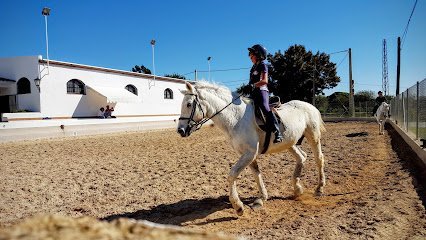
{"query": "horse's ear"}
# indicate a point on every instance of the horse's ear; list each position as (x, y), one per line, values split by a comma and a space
(189, 87)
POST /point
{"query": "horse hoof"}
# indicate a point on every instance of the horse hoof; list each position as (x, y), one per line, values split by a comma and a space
(257, 204)
(298, 192)
(319, 192)
(240, 211)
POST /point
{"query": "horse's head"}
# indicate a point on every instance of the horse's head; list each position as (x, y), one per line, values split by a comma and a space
(384, 110)
(191, 111)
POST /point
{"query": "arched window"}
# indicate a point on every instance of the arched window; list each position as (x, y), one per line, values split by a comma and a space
(168, 94)
(75, 86)
(132, 89)
(24, 86)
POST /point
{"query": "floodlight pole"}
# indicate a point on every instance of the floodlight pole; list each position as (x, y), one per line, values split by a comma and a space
(153, 59)
(46, 12)
(208, 60)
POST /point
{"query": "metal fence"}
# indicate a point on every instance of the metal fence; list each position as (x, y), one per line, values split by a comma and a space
(408, 110)
(362, 109)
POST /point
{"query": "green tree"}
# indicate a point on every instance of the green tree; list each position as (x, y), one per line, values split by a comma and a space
(321, 102)
(175, 75)
(338, 102)
(364, 96)
(294, 72)
(141, 69)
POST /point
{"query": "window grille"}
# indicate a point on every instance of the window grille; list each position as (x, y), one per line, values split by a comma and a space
(168, 94)
(75, 86)
(24, 86)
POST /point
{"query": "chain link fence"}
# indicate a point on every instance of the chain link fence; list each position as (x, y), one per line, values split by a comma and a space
(408, 110)
(340, 108)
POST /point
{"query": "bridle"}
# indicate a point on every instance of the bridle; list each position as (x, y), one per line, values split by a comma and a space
(191, 122)
(196, 103)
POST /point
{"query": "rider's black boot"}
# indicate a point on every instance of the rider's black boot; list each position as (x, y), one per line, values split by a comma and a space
(274, 127)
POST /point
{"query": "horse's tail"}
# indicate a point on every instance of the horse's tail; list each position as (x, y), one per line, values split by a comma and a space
(322, 124)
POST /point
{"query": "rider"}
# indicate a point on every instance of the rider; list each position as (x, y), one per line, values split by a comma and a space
(379, 100)
(259, 78)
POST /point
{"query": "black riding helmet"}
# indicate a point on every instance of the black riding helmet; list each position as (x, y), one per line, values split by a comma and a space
(259, 51)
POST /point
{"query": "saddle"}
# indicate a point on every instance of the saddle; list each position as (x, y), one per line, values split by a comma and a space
(274, 104)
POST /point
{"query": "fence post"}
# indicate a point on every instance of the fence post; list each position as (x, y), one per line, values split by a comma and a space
(406, 111)
(418, 110)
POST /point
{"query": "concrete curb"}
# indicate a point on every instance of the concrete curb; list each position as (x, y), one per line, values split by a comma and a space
(354, 119)
(421, 153)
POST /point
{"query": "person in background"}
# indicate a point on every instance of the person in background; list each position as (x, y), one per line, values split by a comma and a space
(111, 110)
(259, 78)
(107, 113)
(379, 99)
(101, 112)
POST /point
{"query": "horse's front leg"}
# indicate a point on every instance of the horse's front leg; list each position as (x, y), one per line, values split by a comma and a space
(241, 164)
(263, 194)
(300, 161)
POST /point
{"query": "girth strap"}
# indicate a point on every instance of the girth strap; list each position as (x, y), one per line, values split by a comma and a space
(267, 141)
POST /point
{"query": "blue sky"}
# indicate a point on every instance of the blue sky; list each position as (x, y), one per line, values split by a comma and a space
(117, 34)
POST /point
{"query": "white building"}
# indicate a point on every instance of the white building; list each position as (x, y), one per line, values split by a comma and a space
(34, 88)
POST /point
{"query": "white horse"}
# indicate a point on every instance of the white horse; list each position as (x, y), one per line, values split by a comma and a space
(204, 101)
(381, 115)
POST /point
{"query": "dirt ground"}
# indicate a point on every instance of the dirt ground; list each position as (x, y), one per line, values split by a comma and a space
(371, 191)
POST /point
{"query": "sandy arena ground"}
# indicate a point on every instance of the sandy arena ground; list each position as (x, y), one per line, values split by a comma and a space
(371, 190)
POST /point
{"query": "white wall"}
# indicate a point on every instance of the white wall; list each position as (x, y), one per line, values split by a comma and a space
(56, 102)
(21, 67)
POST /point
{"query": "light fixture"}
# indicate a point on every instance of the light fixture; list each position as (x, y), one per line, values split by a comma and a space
(37, 83)
(45, 11)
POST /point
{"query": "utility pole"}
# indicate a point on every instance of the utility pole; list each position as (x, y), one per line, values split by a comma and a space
(351, 87)
(195, 72)
(313, 83)
(398, 64)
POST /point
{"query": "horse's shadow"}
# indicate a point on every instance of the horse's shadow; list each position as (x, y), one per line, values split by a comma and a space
(187, 210)
(179, 212)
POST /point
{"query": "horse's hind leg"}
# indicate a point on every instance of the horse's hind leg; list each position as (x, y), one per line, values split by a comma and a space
(319, 158)
(260, 184)
(300, 160)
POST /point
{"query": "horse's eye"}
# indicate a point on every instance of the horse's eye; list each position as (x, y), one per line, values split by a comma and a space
(188, 105)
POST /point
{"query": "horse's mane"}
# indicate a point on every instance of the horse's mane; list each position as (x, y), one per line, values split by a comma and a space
(219, 90)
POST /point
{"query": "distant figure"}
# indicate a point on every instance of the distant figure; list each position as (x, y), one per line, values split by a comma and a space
(379, 100)
(111, 110)
(107, 113)
(101, 112)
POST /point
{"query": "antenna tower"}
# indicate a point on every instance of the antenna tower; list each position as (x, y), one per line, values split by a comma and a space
(385, 81)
